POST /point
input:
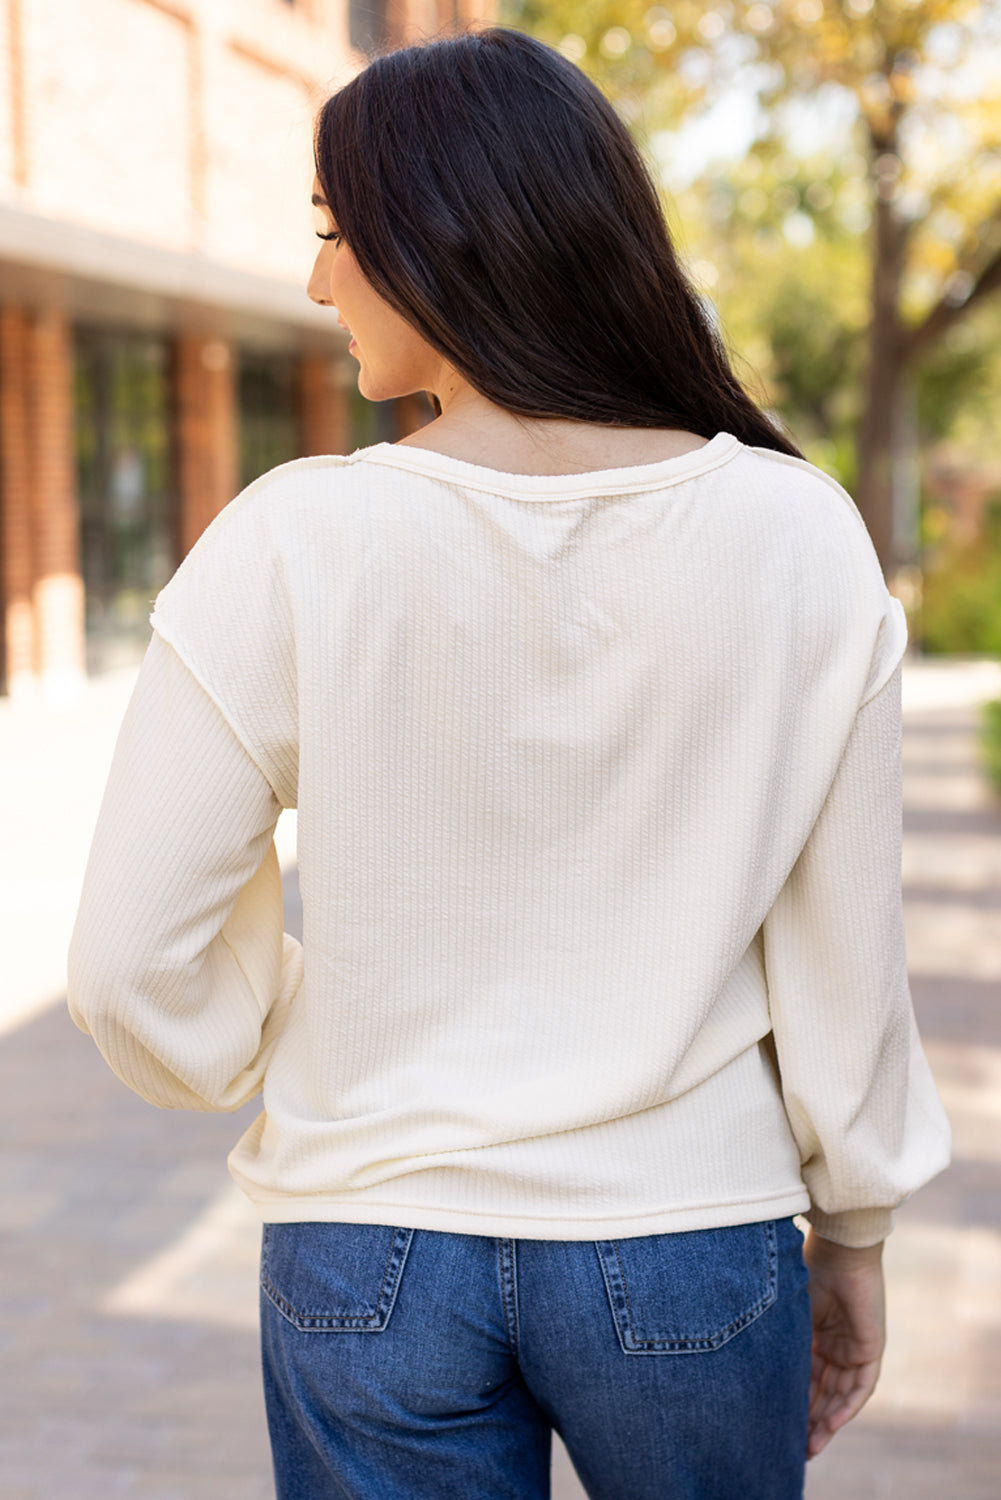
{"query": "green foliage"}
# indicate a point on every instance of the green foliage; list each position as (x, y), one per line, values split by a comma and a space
(782, 242)
(956, 375)
(961, 595)
(990, 742)
(959, 387)
(806, 344)
(767, 239)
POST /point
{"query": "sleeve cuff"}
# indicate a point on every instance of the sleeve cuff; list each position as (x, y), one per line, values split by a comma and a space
(855, 1228)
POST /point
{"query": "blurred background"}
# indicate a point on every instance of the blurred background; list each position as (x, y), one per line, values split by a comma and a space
(157, 348)
(831, 170)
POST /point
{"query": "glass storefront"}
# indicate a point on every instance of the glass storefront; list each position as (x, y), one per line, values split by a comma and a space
(268, 412)
(370, 421)
(126, 471)
(127, 500)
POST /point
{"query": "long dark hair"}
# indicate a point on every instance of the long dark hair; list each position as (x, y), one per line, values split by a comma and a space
(491, 194)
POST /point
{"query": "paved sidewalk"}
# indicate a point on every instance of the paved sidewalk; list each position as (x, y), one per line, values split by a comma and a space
(127, 1306)
(932, 1428)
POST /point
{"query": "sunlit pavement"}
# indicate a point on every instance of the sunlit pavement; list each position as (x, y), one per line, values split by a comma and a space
(128, 1355)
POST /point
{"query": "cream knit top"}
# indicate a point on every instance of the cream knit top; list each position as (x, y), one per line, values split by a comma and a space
(599, 851)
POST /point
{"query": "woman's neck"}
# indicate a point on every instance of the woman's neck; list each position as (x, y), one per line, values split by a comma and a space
(477, 431)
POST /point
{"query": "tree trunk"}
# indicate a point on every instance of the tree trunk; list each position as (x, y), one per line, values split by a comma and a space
(878, 431)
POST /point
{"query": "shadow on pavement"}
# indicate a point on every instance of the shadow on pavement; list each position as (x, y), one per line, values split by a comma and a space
(95, 1182)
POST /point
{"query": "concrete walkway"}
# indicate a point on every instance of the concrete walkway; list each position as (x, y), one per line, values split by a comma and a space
(931, 1430)
(128, 1304)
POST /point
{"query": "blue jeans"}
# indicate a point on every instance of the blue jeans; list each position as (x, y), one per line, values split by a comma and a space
(401, 1364)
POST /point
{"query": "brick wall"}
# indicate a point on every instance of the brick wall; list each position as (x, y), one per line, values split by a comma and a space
(206, 432)
(17, 568)
(323, 411)
(186, 125)
(41, 584)
(181, 123)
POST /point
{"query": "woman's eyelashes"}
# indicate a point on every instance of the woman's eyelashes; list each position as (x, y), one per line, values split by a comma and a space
(333, 234)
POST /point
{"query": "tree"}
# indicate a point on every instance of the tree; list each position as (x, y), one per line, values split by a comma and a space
(916, 84)
(774, 239)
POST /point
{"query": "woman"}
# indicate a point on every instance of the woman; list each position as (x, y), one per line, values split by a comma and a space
(588, 697)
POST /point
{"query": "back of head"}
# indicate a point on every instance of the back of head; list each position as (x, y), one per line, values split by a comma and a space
(491, 194)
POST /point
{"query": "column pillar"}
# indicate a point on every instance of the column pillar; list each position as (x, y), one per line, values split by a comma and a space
(397, 23)
(17, 568)
(324, 422)
(207, 466)
(57, 594)
(470, 11)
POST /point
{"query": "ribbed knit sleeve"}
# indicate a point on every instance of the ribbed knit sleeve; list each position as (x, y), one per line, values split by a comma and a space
(226, 613)
(856, 1085)
(178, 967)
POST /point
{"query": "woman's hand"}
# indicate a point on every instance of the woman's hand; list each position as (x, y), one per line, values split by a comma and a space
(849, 1331)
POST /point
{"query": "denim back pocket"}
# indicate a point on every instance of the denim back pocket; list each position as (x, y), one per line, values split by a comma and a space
(689, 1292)
(334, 1278)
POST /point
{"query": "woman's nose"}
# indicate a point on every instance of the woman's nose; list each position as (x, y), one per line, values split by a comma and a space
(317, 288)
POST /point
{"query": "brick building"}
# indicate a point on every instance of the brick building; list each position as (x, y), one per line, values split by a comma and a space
(157, 348)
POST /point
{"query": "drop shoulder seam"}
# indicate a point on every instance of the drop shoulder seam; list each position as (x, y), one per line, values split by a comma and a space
(804, 464)
(164, 633)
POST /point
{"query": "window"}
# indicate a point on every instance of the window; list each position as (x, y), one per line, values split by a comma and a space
(127, 503)
(367, 28)
(269, 413)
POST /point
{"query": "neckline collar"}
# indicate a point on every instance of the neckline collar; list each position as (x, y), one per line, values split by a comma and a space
(719, 450)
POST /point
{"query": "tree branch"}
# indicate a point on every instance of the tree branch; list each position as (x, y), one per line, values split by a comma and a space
(945, 314)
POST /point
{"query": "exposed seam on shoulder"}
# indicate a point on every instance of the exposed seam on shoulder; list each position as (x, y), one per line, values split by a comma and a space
(894, 619)
(163, 630)
(804, 463)
(234, 507)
